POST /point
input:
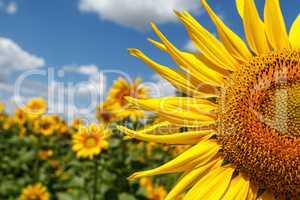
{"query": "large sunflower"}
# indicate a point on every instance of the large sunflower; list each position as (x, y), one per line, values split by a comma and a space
(35, 192)
(242, 110)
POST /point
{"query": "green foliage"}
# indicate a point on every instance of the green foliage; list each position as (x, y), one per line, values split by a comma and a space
(68, 178)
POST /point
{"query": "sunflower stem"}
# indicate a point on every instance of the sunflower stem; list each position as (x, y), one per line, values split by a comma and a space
(36, 169)
(95, 179)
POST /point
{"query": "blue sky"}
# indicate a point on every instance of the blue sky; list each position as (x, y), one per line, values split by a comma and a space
(84, 37)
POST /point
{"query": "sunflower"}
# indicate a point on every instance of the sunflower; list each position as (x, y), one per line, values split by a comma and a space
(45, 125)
(241, 110)
(153, 192)
(77, 123)
(45, 154)
(63, 128)
(20, 116)
(90, 141)
(116, 104)
(106, 112)
(2, 107)
(122, 88)
(36, 107)
(35, 192)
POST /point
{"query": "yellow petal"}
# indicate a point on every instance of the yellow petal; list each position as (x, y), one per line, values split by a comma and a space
(254, 28)
(199, 56)
(190, 137)
(211, 186)
(240, 7)
(202, 150)
(163, 127)
(208, 45)
(238, 188)
(275, 25)
(190, 63)
(189, 178)
(252, 193)
(104, 144)
(266, 196)
(179, 110)
(181, 81)
(232, 42)
(295, 33)
(158, 44)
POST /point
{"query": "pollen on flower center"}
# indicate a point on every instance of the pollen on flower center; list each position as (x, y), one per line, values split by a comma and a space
(259, 121)
(281, 108)
(91, 142)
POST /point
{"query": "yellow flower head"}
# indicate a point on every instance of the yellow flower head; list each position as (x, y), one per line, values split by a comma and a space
(35, 192)
(153, 192)
(63, 128)
(107, 113)
(90, 141)
(240, 106)
(45, 154)
(77, 123)
(7, 123)
(121, 88)
(57, 119)
(36, 107)
(45, 125)
(2, 107)
(20, 116)
(116, 106)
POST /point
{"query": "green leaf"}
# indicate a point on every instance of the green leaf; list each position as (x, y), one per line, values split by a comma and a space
(126, 196)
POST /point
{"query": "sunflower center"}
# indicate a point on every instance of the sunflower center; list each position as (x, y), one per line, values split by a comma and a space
(46, 125)
(34, 197)
(259, 121)
(91, 142)
(281, 108)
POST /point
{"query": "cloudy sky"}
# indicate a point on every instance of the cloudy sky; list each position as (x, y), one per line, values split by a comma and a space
(70, 51)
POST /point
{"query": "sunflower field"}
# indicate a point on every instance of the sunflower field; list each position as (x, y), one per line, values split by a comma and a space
(44, 157)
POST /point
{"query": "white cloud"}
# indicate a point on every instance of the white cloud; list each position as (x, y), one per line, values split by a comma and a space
(13, 57)
(88, 69)
(190, 46)
(138, 13)
(81, 69)
(11, 8)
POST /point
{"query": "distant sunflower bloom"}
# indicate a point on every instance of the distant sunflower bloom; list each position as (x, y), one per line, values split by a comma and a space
(77, 123)
(45, 125)
(153, 192)
(90, 141)
(36, 107)
(122, 88)
(117, 103)
(2, 107)
(20, 116)
(45, 154)
(36, 192)
(106, 112)
(241, 112)
(63, 128)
